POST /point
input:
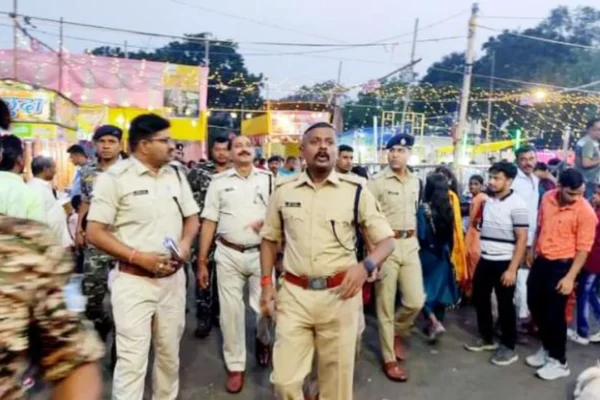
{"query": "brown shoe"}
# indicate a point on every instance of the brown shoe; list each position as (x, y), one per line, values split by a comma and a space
(394, 372)
(399, 348)
(235, 382)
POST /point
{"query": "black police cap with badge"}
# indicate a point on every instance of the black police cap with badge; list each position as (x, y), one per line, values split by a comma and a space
(107, 130)
(401, 139)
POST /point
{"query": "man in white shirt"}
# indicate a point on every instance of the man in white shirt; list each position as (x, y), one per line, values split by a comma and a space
(526, 185)
(57, 221)
(43, 170)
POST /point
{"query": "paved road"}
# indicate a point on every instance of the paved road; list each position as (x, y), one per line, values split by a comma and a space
(444, 371)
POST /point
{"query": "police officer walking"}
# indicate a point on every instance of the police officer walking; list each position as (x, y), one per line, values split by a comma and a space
(97, 264)
(199, 177)
(149, 205)
(398, 192)
(235, 208)
(319, 303)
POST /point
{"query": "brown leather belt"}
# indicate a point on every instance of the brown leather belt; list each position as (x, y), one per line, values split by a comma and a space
(404, 234)
(320, 283)
(139, 271)
(237, 247)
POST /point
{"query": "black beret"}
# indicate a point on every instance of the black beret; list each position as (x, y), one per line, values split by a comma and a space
(402, 139)
(107, 130)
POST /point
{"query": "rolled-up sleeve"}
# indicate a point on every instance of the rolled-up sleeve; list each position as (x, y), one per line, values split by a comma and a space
(272, 229)
(104, 204)
(586, 229)
(188, 204)
(372, 220)
(211, 203)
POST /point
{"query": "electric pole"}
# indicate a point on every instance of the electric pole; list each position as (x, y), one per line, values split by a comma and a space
(464, 100)
(488, 128)
(15, 41)
(126, 50)
(60, 56)
(412, 76)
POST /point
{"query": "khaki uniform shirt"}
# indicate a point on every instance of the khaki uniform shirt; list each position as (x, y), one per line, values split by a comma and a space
(234, 202)
(143, 207)
(398, 198)
(33, 272)
(306, 216)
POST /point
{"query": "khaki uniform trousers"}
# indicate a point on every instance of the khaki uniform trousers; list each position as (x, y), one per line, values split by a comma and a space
(401, 271)
(234, 269)
(309, 320)
(146, 309)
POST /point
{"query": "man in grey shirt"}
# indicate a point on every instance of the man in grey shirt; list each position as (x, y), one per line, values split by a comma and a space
(587, 157)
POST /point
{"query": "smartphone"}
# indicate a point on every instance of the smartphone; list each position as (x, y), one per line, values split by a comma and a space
(171, 246)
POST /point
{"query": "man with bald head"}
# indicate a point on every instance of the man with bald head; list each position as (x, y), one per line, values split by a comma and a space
(319, 303)
(234, 210)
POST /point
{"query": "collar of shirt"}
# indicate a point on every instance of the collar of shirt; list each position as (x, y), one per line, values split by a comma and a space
(506, 196)
(389, 173)
(531, 178)
(304, 178)
(142, 169)
(39, 181)
(553, 197)
(233, 172)
(11, 175)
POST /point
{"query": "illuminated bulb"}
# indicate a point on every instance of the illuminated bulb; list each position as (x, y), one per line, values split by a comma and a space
(121, 120)
(540, 94)
(249, 115)
(82, 97)
(105, 101)
(194, 122)
(125, 104)
(233, 115)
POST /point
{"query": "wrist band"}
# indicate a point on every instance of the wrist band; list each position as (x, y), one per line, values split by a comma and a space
(266, 280)
(132, 256)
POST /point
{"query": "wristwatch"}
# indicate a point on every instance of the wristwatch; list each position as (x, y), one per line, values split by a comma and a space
(369, 265)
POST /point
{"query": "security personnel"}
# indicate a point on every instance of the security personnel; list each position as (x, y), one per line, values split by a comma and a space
(199, 177)
(235, 208)
(398, 192)
(97, 264)
(318, 305)
(148, 203)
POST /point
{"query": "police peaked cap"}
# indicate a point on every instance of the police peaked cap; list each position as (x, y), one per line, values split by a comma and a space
(401, 139)
(107, 130)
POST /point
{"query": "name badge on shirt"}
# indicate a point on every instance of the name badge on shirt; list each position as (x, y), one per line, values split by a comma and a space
(394, 193)
(293, 204)
(140, 192)
(229, 189)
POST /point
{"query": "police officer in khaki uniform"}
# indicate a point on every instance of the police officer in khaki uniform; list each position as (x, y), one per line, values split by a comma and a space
(319, 301)
(398, 192)
(235, 208)
(145, 201)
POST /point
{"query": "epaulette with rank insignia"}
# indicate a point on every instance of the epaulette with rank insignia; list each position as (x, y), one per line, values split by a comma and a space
(282, 180)
(378, 175)
(120, 167)
(352, 178)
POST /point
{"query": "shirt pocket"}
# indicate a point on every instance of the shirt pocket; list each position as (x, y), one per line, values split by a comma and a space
(293, 222)
(138, 205)
(341, 224)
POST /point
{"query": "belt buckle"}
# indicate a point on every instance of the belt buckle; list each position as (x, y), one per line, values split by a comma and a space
(316, 283)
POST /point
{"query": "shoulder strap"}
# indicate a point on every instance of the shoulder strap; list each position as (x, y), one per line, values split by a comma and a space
(175, 198)
(356, 204)
(270, 184)
(177, 172)
(420, 190)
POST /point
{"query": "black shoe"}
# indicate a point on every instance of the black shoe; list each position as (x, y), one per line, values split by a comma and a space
(203, 328)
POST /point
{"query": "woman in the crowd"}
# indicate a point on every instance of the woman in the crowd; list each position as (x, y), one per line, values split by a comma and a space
(435, 224)
(459, 252)
(476, 188)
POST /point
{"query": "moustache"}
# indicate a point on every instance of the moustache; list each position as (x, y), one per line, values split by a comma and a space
(244, 153)
(322, 155)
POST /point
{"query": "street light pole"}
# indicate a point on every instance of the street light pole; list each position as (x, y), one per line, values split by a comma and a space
(15, 41)
(489, 110)
(466, 90)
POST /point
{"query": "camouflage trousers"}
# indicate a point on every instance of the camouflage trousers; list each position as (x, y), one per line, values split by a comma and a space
(96, 266)
(207, 300)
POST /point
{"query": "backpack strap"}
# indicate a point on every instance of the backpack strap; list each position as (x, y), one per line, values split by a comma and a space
(175, 198)
(478, 221)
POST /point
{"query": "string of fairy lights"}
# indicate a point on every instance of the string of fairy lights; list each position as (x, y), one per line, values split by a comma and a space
(535, 108)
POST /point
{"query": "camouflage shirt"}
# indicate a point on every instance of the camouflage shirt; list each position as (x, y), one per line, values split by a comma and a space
(199, 177)
(33, 272)
(89, 173)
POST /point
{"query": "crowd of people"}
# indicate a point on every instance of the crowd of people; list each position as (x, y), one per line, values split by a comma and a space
(312, 238)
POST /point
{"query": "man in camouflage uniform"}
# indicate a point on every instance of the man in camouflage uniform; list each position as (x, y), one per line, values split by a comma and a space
(36, 324)
(97, 264)
(199, 177)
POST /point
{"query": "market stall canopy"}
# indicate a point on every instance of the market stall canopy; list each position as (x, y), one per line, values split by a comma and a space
(99, 80)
